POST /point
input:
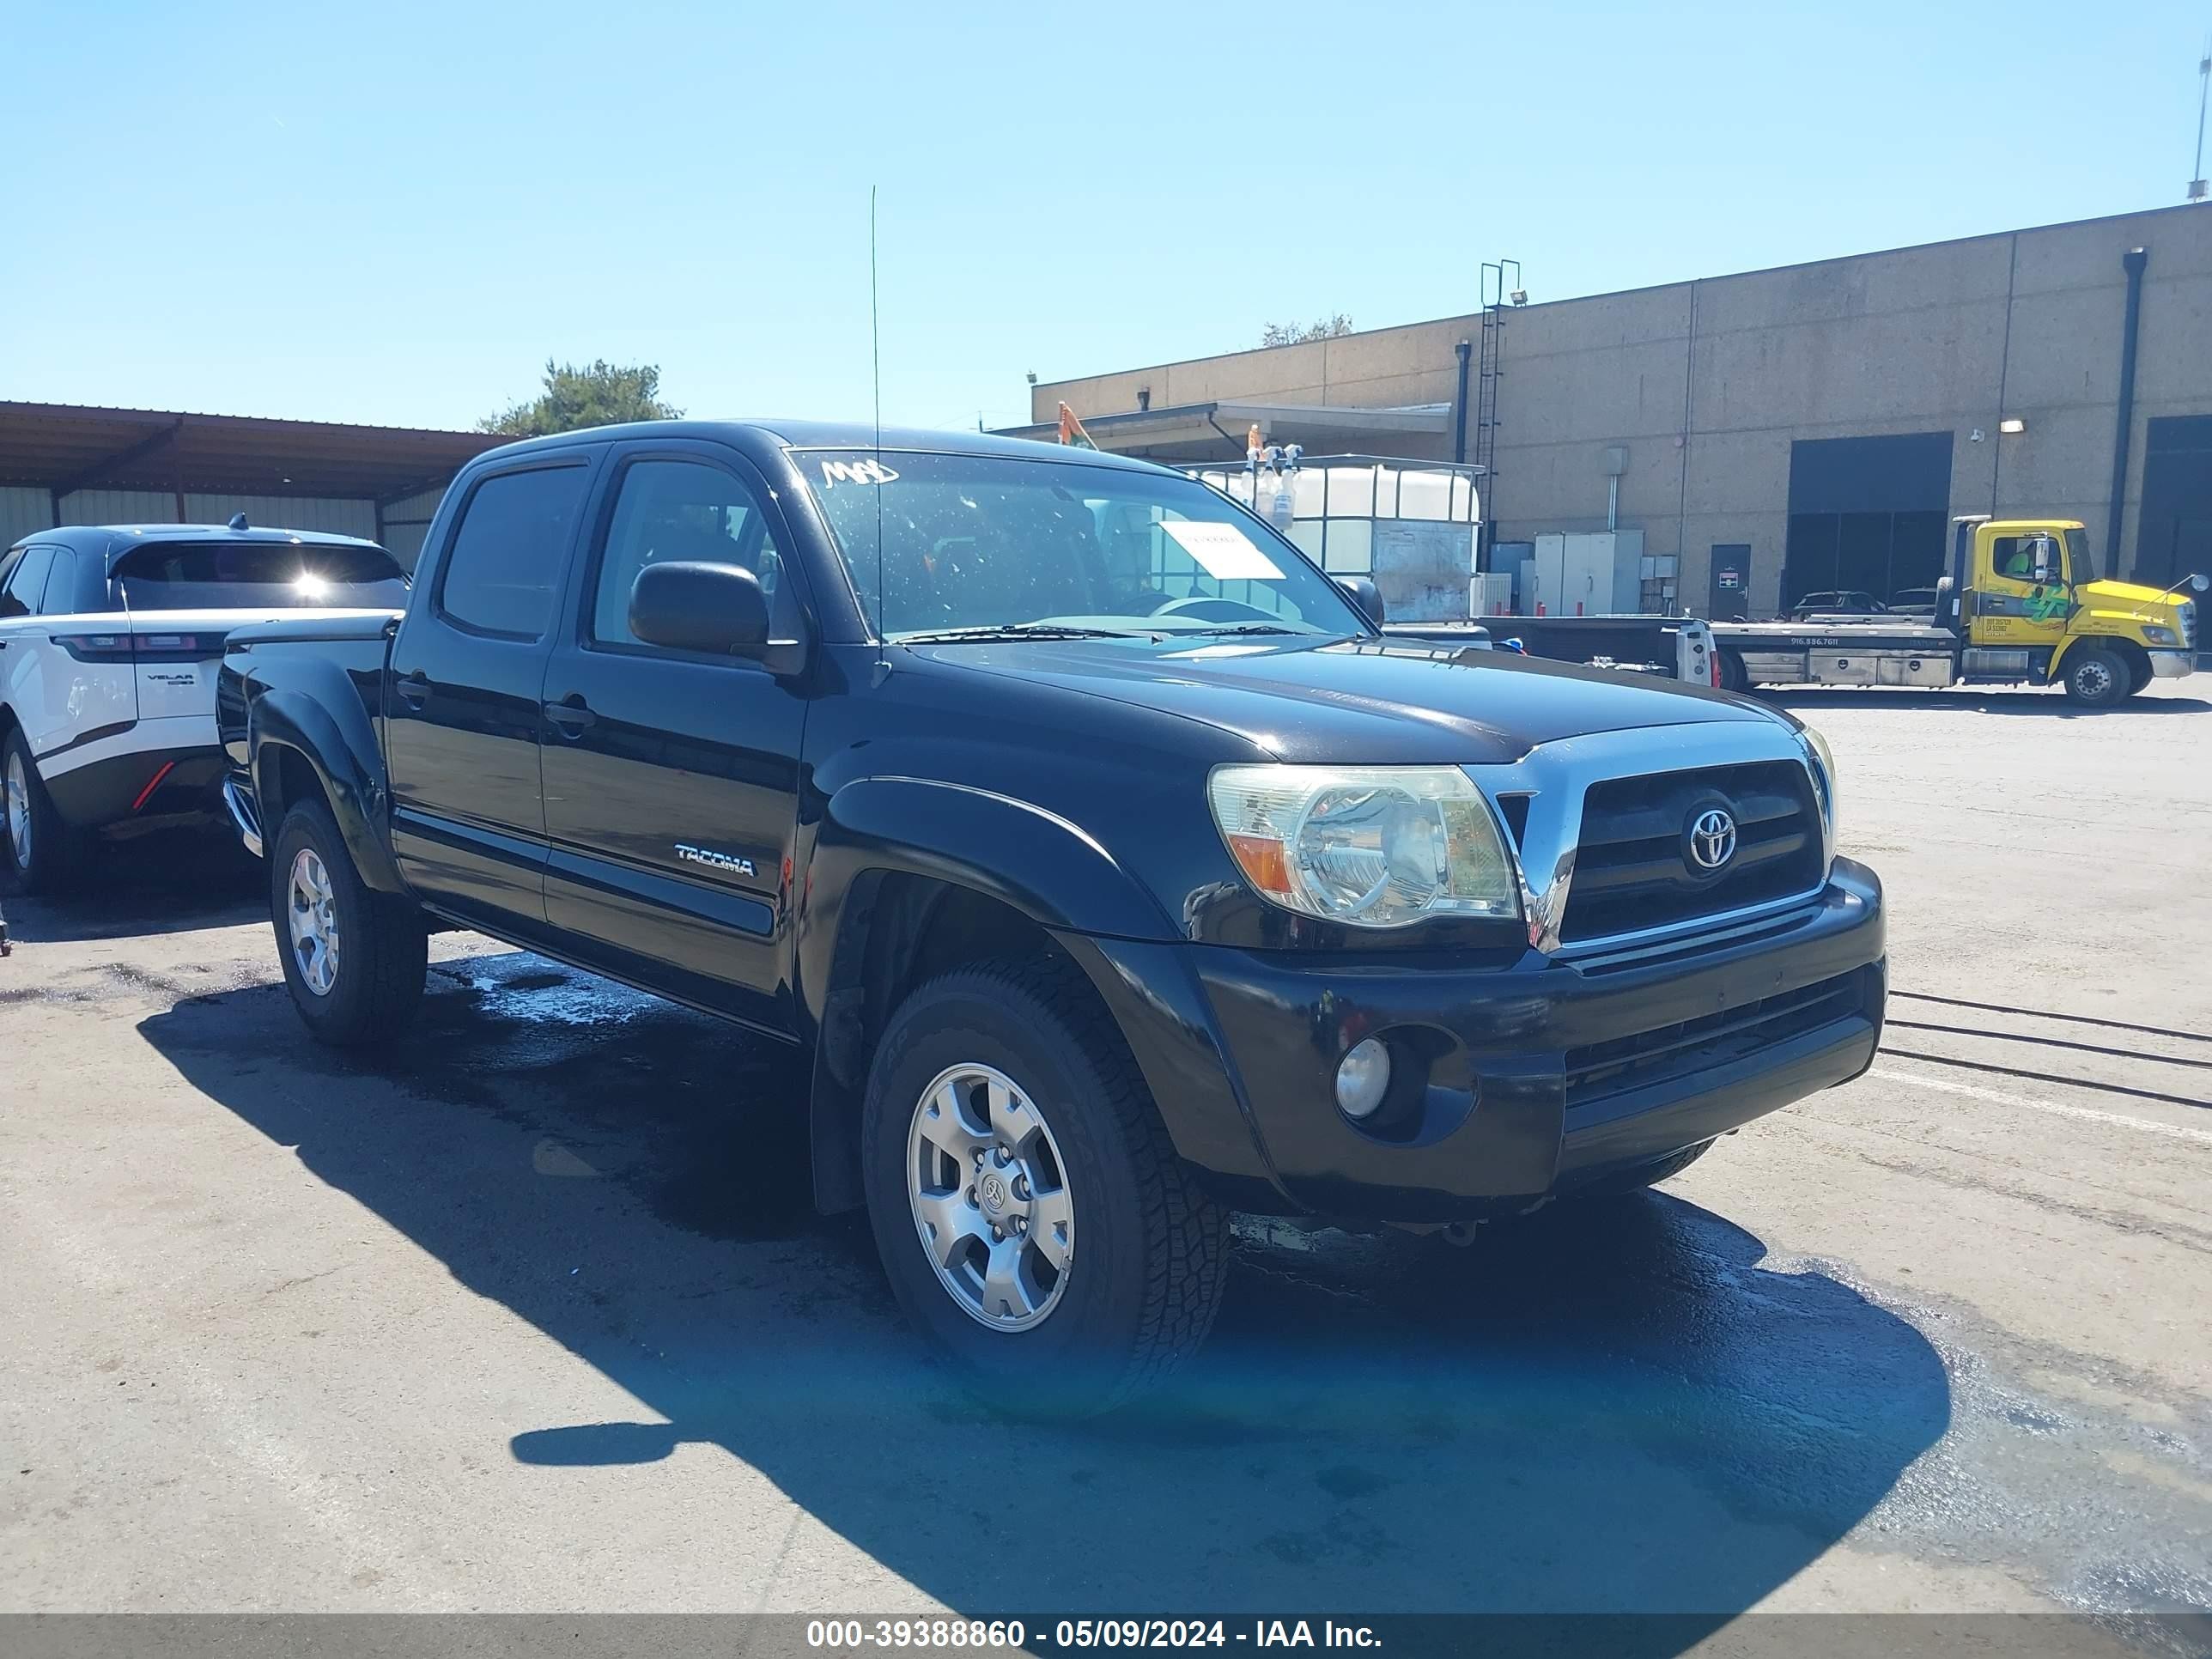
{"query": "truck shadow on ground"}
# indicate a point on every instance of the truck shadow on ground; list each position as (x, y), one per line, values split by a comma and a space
(1625, 1409)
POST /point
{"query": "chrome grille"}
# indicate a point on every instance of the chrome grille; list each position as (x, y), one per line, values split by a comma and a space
(1631, 871)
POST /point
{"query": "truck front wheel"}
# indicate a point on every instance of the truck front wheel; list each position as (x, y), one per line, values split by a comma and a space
(1032, 1215)
(2095, 678)
(354, 958)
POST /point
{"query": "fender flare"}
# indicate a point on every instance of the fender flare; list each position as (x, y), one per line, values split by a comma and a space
(1027, 856)
(1035, 862)
(347, 762)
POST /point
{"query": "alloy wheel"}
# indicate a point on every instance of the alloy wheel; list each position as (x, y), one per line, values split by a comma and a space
(19, 810)
(312, 911)
(990, 1198)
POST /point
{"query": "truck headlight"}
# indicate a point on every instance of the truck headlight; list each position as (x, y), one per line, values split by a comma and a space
(1369, 845)
(2152, 636)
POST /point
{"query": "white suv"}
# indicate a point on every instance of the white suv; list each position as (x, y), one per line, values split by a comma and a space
(109, 639)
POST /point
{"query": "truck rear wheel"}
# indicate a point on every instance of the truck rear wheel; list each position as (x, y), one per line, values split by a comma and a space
(2095, 678)
(46, 852)
(1033, 1218)
(354, 958)
(1733, 678)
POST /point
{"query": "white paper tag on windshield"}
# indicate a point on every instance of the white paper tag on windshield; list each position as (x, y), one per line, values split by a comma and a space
(1223, 551)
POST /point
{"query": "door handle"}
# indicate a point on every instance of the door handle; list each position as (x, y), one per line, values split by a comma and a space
(571, 716)
(413, 688)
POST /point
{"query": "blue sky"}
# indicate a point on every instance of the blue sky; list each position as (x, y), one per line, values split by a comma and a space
(395, 213)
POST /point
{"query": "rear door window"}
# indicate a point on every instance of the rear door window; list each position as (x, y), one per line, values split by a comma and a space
(76, 584)
(226, 576)
(503, 572)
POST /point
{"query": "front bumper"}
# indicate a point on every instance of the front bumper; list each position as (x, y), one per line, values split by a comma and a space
(1512, 1082)
(2172, 664)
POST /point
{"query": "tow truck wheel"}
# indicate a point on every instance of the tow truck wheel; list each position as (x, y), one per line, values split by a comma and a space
(1032, 1216)
(1733, 678)
(354, 958)
(2096, 678)
(2139, 675)
(46, 852)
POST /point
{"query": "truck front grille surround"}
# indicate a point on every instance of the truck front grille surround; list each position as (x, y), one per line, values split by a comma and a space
(1601, 828)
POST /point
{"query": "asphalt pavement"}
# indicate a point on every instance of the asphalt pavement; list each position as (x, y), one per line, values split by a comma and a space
(531, 1312)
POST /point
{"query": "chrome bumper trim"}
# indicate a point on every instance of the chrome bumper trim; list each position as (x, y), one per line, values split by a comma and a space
(1554, 777)
(242, 815)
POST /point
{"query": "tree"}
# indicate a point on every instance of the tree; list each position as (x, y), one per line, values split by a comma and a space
(1329, 328)
(602, 395)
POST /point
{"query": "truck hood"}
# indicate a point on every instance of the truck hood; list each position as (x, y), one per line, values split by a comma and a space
(2130, 596)
(1356, 701)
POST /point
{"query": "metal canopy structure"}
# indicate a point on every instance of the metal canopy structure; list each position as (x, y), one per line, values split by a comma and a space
(65, 447)
(1214, 431)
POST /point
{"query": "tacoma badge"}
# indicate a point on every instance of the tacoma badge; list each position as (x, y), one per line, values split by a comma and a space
(714, 860)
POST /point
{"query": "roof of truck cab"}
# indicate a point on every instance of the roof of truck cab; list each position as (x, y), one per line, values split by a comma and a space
(821, 434)
(114, 540)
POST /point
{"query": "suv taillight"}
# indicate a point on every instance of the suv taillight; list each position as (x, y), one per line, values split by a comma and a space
(124, 647)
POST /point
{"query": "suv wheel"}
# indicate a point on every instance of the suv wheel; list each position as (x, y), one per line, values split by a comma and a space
(354, 958)
(1033, 1218)
(2095, 678)
(46, 852)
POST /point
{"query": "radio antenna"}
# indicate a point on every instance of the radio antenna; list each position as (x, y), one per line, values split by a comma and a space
(2203, 91)
(876, 372)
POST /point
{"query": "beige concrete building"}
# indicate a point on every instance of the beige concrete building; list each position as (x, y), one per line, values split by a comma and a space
(1813, 426)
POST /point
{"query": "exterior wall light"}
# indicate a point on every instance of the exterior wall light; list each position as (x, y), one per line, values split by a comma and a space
(2012, 424)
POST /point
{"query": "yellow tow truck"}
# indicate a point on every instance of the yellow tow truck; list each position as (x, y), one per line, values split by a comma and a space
(2023, 603)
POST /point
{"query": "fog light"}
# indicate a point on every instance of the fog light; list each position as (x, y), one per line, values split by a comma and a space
(1362, 1077)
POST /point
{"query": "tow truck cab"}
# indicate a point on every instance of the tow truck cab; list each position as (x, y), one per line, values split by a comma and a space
(2023, 603)
(2029, 602)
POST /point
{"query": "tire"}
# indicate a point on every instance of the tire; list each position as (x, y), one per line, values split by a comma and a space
(366, 988)
(47, 854)
(1732, 674)
(1623, 1183)
(1145, 1247)
(2139, 675)
(2095, 678)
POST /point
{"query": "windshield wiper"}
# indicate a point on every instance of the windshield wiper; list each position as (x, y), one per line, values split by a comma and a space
(1011, 631)
(1247, 627)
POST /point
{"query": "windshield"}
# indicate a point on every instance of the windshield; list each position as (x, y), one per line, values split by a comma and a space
(985, 543)
(2080, 567)
(229, 575)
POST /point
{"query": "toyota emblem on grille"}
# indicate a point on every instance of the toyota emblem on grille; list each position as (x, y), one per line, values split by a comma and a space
(1712, 839)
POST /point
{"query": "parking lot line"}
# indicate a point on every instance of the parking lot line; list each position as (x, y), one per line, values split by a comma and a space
(2058, 1109)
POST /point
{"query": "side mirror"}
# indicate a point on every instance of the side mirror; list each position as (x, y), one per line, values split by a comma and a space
(2043, 558)
(715, 608)
(2200, 582)
(1363, 592)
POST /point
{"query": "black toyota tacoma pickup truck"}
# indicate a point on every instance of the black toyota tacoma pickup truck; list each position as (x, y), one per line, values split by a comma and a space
(1108, 868)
